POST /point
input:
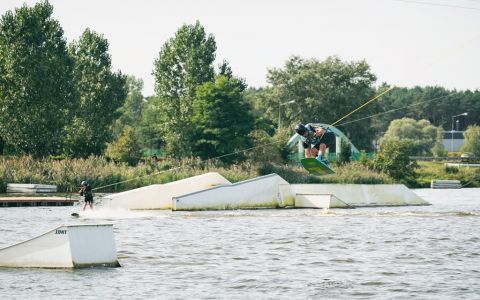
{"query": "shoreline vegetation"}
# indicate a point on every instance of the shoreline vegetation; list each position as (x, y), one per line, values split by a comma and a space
(100, 172)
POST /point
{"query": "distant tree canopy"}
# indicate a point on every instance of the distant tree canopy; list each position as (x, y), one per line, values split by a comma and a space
(101, 92)
(435, 104)
(422, 135)
(36, 87)
(185, 62)
(472, 140)
(324, 91)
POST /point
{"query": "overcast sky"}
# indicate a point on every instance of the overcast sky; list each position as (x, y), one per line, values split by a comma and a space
(406, 43)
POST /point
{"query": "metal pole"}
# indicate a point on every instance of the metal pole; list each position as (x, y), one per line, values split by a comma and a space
(451, 136)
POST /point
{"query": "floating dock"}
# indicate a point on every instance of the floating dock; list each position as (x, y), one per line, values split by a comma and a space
(19, 201)
(30, 188)
(73, 246)
(260, 192)
(445, 184)
(357, 195)
(213, 192)
(159, 196)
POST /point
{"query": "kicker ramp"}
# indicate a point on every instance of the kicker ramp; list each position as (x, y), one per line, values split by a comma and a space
(72, 246)
(270, 191)
(319, 201)
(358, 195)
(159, 196)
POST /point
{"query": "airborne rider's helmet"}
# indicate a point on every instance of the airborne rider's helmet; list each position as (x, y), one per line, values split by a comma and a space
(300, 129)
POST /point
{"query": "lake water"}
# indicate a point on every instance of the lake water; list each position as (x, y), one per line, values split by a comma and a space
(430, 252)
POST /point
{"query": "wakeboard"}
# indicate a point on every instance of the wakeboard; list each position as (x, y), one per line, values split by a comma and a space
(316, 167)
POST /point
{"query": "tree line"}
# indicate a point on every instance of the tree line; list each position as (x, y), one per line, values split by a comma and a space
(64, 99)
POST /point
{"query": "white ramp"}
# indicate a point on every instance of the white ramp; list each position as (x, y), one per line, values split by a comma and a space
(159, 196)
(72, 246)
(319, 201)
(260, 192)
(363, 194)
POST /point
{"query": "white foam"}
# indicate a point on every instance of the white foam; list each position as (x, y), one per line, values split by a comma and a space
(113, 213)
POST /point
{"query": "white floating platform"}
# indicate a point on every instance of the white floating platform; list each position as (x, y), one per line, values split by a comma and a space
(358, 195)
(467, 165)
(72, 246)
(445, 184)
(159, 196)
(262, 192)
(30, 188)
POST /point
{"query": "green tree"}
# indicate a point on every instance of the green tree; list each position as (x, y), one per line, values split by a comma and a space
(472, 140)
(221, 119)
(126, 148)
(421, 134)
(131, 111)
(151, 124)
(265, 148)
(324, 91)
(256, 97)
(393, 158)
(184, 62)
(345, 153)
(36, 88)
(101, 92)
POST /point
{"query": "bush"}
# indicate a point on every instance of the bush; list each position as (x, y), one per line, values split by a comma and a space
(393, 159)
(451, 170)
(345, 153)
(472, 140)
(265, 148)
(126, 148)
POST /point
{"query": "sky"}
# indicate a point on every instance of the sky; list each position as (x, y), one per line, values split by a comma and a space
(406, 43)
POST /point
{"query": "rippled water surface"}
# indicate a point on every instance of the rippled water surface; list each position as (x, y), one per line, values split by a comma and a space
(430, 252)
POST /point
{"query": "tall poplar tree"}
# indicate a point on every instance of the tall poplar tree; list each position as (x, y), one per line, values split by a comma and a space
(184, 62)
(36, 92)
(101, 92)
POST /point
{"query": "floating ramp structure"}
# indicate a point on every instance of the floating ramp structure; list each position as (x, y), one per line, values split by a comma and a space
(354, 195)
(159, 196)
(319, 201)
(261, 192)
(72, 246)
(213, 192)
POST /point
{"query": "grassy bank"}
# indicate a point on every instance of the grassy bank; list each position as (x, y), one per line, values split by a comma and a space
(469, 177)
(99, 172)
(68, 173)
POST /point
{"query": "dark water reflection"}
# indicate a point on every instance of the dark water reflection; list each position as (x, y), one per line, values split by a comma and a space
(366, 253)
